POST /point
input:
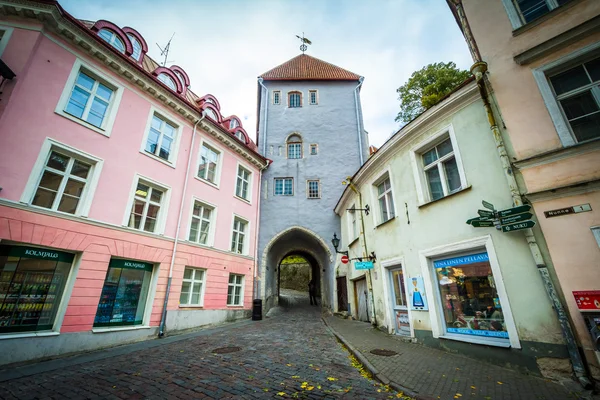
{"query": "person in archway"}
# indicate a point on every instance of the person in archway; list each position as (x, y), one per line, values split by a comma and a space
(312, 290)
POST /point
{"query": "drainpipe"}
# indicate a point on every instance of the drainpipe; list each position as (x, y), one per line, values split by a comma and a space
(260, 82)
(255, 287)
(163, 318)
(365, 250)
(479, 69)
(360, 149)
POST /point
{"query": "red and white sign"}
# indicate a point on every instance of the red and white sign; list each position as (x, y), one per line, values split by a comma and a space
(345, 259)
(588, 300)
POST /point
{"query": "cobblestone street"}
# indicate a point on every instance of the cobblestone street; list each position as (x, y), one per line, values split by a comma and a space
(289, 355)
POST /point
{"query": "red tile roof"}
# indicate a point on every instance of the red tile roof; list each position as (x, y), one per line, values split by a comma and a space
(305, 67)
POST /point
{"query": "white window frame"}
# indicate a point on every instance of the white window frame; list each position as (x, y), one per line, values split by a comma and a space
(435, 302)
(540, 74)
(172, 161)
(308, 188)
(210, 240)
(191, 282)
(248, 199)
(114, 38)
(284, 179)
(596, 233)
(217, 149)
(278, 92)
(294, 92)
(240, 285)
(388, 292)
(83, 208)
(6, 37)
(167, 78)
(164, 207)
(310, 102)
(313, 146)
(352, 219)
(246, 235)
(109, 119)
(423, 192)
(133, 41)
(514, 14)
(386, 174)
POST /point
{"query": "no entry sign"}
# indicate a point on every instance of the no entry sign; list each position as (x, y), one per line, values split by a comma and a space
(345, 259)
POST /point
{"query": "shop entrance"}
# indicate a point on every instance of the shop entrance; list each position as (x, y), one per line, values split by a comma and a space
(399, 301)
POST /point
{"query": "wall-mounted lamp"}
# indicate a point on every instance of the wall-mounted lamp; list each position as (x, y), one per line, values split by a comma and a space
(336, 243)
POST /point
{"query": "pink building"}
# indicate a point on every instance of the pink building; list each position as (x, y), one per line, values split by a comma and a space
(119, 185)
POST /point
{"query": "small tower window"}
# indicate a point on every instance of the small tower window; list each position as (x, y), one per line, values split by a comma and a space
(294, 99)
(294, 147)
(113, 39)
(167, 80)
(314, 149)
(312, 97)
(276, 97)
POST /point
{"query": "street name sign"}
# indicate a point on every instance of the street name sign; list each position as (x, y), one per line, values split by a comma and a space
(485, 213)
(518, 226)
(487, 205)
(514, 210)
(515, 218)
(363, 265)
(482, 224)
(568, 210)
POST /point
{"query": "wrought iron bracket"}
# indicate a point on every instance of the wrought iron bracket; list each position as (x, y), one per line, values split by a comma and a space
(367, 209)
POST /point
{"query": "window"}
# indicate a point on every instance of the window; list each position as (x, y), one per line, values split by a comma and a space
(192, 288)
(313, 189)
(284, 186)
(235, 290)
(533, 9)
(386, 200)
(240, 135)
(5, 33)
(353, 223)
(167, 80)
(314, 149)
(238, 238)
(63, 182)
(161, 138)
(596, 233)
(243, 183)
(294, 147)
(180, 77)
(209, 163)
(90, 99)
(577, 90)
(113, 39)
(233, 123)
(147, 203)
(137, 47)
(441, 170)
(294, 99)
(201, 225)
(32, 283)
(312, 97)
(276, 97)
(124, 294)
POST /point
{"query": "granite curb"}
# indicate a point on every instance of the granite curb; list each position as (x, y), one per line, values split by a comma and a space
(374, 371)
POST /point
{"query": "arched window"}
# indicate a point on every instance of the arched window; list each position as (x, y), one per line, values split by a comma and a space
(294, 99)
(113, 39)
(211, 113)
(167, 80)
(233, 123)
(294, 147)
(240, 136)
(181, 78)
(137, 47)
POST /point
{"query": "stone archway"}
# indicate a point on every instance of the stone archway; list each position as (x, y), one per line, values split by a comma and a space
(296, 240)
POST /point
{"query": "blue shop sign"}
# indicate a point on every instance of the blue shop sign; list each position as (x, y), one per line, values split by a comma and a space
(453, 262)
(363, 265)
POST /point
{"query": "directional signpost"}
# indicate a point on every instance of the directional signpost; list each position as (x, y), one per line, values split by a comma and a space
(482, 224)
(518, 226)
(484, 213)
(511, 219)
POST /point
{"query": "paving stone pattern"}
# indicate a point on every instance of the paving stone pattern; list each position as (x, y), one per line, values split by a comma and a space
(278, 355)
(440, 374)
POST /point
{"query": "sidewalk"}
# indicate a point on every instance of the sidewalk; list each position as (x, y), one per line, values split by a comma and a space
(435, 374)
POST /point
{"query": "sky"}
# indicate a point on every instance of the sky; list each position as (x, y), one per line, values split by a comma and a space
(224, 45)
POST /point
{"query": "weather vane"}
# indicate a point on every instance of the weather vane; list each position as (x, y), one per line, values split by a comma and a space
(165, 52)
(304, 41)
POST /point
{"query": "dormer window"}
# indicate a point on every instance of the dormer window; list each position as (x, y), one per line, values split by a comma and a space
(111, 38)
(167, 80)
(212, 114)
(233, 124)
(240, 136)
(137, 47)
(180, 77)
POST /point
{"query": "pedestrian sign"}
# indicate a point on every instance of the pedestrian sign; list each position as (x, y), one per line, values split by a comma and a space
(363, 265)
(514, 210)
(484, 213)
(482, 224)
(515, 218)
(487, 205)
(518, 226)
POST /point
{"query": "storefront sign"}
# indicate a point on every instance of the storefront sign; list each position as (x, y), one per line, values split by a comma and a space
(38, 253)
(568, 210)
(588, 300)
(131, 264)
(476, 332)
(418, 300)
(363, 265)
(470, 259)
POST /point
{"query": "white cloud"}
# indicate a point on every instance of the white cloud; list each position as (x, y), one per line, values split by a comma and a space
(224, 45)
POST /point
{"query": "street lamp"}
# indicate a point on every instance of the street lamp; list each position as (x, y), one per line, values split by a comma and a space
(336, 243)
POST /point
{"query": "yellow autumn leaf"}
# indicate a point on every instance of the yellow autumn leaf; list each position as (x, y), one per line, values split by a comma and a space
(499, 383)
(473, 387)
(265, 390)
(281, 394)
(289, 365)
(318, 386)
(295, 377)
(310, 388)
(329, 378)
(400, 395)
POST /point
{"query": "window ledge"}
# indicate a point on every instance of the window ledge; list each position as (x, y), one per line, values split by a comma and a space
(128, 228)
(242, 199)
(209, 183)
(83, 123)
(475, 340)
(468, 187)
(118, 329)
(385, 222)
(241, 306)
(27, 334)
(355, 240)
(154, 157)
(194, 306)
(551, 14)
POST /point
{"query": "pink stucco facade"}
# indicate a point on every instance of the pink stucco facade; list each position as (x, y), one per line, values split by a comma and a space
(43, 60)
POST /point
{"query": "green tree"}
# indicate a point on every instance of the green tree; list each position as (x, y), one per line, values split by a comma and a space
(426, 87)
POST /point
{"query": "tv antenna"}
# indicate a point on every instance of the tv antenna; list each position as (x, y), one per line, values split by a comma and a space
(165, 52)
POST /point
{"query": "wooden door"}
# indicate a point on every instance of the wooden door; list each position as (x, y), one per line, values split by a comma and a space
(362, 299)
(342, 294)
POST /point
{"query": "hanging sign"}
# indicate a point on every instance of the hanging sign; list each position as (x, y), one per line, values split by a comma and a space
(588, 300)
(416, 289)
(363, 265)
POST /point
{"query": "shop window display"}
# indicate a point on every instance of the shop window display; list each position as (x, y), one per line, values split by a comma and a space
(470, 301)
(32, 281)
(123, 298)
